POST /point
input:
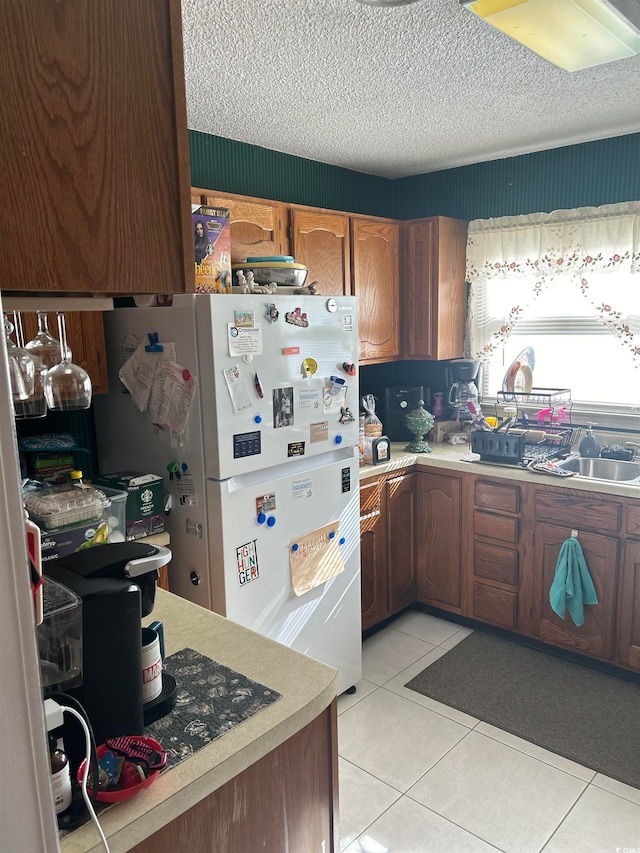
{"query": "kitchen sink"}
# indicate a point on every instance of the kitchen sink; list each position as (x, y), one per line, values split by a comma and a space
(602, 469)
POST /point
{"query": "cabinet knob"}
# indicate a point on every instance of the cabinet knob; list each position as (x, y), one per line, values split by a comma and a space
(195, 578)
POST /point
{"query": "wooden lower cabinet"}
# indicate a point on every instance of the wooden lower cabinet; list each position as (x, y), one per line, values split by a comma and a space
(387, 546)
(488, 549)
(595, 636)
(439, 541)
(496, 549)
(373, 552)
(628, 634)
(401, 514)
(286, 801)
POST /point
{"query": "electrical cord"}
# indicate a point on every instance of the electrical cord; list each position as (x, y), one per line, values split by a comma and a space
(85, 795)
(72, 702)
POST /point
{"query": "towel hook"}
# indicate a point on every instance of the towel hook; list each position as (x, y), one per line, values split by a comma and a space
(574, 534)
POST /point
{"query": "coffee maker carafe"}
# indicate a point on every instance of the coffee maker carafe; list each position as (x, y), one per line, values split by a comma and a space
(464, 378)
(116, 585)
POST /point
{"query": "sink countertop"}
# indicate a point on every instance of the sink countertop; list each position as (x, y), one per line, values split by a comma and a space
(307, 688)
(447, 457)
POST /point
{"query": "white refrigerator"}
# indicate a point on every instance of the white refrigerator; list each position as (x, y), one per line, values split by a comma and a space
(262, 462)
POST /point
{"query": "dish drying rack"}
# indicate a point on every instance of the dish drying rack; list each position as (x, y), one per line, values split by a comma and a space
(553, 418)
(557, 444)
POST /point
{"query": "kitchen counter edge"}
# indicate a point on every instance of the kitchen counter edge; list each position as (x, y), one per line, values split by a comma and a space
(447, 457)
(307, 686)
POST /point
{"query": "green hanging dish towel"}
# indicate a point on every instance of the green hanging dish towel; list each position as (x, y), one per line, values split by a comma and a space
(572, 586)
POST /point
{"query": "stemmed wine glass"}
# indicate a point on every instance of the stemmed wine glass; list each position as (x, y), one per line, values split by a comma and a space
(44, 344)
(66, 385)
(22, 367)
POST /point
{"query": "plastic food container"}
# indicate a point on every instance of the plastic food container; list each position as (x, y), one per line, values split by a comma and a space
(59, 636)
(65, 506)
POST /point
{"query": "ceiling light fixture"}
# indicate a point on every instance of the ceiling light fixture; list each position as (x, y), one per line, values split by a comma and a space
(572, 34)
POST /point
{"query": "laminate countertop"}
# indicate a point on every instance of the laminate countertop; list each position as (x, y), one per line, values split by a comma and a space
(307, 688)
(448, 458)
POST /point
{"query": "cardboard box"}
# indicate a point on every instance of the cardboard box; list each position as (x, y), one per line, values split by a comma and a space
(212, 249)
(442, 428)
(145, 501)
(59, 543)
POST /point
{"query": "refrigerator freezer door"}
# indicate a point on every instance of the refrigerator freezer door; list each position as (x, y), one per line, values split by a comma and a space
(260, 533)
(267, 384)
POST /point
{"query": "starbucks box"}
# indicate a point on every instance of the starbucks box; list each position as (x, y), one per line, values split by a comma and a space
(145, 505)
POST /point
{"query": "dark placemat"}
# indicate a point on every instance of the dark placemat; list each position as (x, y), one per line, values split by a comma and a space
(212, 699)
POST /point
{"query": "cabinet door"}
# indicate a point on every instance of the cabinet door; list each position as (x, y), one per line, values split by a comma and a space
(373, 552)
(375, 274)
(400, 512)
(94, 152)
(438, 537)
(85, 336)
(628, 639)
(258, 227)
(595, 635)
(320, 241)
(434, 288)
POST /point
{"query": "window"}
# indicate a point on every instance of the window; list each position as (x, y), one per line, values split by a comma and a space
(566, 284)
(573, 348)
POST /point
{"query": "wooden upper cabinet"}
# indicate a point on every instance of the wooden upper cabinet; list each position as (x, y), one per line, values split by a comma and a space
(85, 336)
(320, 241)
(258, 227)
(434, 288)
(94, 153)
(375, 278)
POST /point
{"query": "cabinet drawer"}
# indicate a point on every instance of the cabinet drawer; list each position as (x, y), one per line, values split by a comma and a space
(578, 511)
(497, 606)
(495, 526)
(497, 496)
(370, 496)
(494, 563)
(633, 519)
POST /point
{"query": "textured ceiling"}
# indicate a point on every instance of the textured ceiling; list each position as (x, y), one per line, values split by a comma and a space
(390, 92)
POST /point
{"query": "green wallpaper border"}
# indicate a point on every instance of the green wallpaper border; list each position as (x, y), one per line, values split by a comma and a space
(588, 174)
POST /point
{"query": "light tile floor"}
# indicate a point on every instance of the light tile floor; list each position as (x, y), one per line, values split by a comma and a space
(419, 777)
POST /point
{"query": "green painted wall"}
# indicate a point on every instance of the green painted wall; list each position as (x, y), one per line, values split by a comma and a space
(585, 175)
(589, 174)
(235, 167)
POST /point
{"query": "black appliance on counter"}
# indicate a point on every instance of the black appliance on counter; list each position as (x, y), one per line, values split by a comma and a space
(116, 584)
(397, 402)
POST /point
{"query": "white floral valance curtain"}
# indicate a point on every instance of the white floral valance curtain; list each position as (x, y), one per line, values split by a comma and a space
(519, 256)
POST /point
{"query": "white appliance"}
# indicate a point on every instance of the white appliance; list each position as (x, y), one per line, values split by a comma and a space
(267, 502)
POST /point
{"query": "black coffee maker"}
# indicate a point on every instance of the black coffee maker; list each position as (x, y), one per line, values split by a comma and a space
(116, 584)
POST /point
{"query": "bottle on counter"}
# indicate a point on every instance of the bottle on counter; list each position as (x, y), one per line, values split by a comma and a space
(60, 776)
(589, 446)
